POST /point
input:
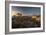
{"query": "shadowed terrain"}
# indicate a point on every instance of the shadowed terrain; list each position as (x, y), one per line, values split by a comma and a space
(24, 22)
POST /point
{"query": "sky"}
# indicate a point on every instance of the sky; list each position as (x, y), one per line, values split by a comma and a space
(26, 11)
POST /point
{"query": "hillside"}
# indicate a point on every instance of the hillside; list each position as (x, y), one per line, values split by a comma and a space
(24, 22)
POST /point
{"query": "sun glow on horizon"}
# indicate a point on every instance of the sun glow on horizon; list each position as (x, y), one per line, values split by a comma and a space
(15, 13)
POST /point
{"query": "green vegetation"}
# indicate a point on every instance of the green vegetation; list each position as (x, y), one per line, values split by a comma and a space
(19, 14)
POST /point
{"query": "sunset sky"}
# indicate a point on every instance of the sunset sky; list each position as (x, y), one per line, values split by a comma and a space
(26, 11)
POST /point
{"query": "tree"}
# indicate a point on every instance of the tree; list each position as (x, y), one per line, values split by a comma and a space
(19, 14)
